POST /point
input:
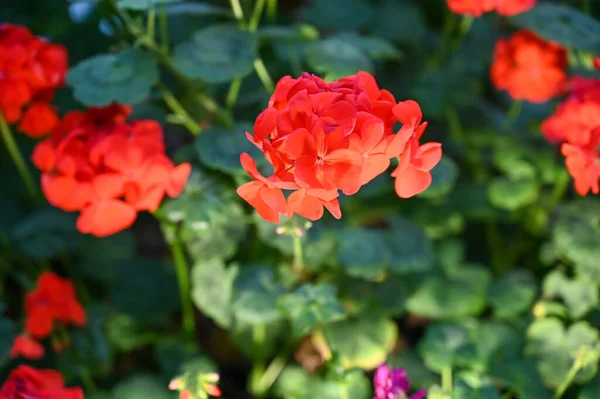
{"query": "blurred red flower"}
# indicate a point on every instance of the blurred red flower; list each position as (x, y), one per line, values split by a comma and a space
(323, 137)
(478, 7)
(576, 124)
(53, 300)
(27, 347)
(529, 68)
(27, 382)
(96, 163)
(30, 70)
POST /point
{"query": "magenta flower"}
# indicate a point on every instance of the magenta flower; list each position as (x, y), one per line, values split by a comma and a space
(394, 384)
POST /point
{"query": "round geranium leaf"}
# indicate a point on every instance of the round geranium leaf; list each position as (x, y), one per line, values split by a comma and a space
(220, 148)
(142, 386)
(512, 294)
(410, 249)
(513, 194)
(219, 53)
(562, 24)
(446, 345)
(337, 58)
(125, 77)
(364, 341)
(363, 253)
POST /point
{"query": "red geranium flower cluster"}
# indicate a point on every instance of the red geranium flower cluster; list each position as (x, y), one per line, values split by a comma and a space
(96, 163)
(52, 301)
(576, 124)
(529, 68)
(30, 71)
(27, 382)
(323, 137)
(478, 7)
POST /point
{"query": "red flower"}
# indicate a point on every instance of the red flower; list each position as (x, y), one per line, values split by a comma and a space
(478, 7)
(27, 347)
(27, 382)
(30, 70)
(323, 137)
(576, 124)
(529, 68)
(53, 300)
(96, 163)
(39, 120)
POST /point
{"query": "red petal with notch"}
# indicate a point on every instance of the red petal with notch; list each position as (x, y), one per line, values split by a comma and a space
(408, 112)
(410, 182)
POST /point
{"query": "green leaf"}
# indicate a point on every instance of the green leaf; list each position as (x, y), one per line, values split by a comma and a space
(399, 21)
(212, 290)
(470, 385)
(144, 289)
(363, 253)
(494, 341)
(375, 47)
(294, 382)
(555, 349)
(141, 5)
(99, 256)
(89, 347)
(337, 58)
(580, 294)
(591, 390)
(364, 341)
(564, 25)
(512, 294)
(440, 297)
(126, 334)
(220, 148)
(446, 345)
(520, 376)
(419, 374)
(410, 249)
(209, 217)
(339, 14)
(173, 355)
(577, 235)
(444, 176)
(311, 306)
(513, 194)
(352, 385)
(243, 335)
(47, 233)
(293, 33)
(256, 295)
(125, 77)
(142, 386)
(219, 53)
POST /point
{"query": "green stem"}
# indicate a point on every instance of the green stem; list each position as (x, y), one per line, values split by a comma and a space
(17, 158)
(164, 30)
(255, 18)
(456, 130)
(440, 54)
(514, 111)
(298, 262)
(88, 381)
(463, 31)
(560, 188)
(259, 336)
(234, 91)
(178, 110)
(272, 9)
(151, 23)
(237, 11)
(263, 75)
(567, 381)
(183, 279)
(447, 380)
(270, 375)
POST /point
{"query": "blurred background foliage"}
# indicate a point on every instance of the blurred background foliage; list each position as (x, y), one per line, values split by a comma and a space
(489, 279)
